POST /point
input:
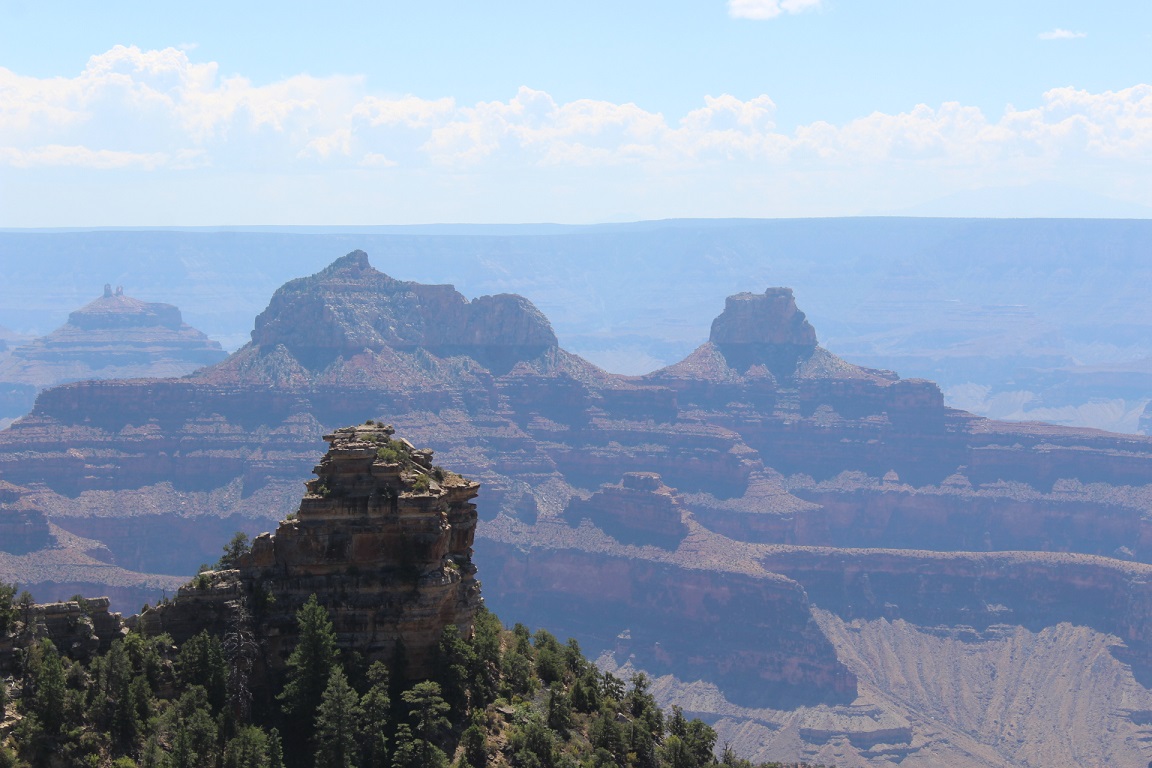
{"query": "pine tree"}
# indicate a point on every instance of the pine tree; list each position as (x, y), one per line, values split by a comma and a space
(486, 646)
(247, 749)
(534, 744)
(573, 657)
(50, 687)
(153, 755)
(413, 752)
(675, 754)
(474, 745)
(240, 650)
(236, 548)
(455, 661)
(193, 731)
(310, 664)
(428, 710)
(337, 724)
(700, 740)
(201, 662)
(376, 706)
(7, 607)
(559, 710)
(275, 749)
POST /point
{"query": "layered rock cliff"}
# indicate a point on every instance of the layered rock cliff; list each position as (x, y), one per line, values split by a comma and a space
(382, 537)
(787, 479)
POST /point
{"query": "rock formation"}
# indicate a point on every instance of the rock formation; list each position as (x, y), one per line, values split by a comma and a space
(23, 526)
(750, 523)
(114, 336)
(78, 628)
(639, 510)
(382, 537)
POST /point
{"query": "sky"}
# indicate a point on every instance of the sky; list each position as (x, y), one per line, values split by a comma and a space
(218, 114)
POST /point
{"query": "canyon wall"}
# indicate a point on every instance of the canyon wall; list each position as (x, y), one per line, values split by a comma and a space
(692, 522)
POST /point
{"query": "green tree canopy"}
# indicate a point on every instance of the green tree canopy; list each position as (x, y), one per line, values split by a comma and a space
(337, 724)
(310, 664)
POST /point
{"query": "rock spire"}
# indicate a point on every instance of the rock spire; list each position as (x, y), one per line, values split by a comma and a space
(382, 537)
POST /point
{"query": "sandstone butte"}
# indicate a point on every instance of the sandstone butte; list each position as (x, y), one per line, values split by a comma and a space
(822, 559)
(113, 337)
(383, 539)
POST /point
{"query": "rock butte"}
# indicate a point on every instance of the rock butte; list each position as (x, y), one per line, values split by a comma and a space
(383, 540)
(113, 337)
(800, 480)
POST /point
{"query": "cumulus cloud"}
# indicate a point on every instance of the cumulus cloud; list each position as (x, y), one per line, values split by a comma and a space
(156, 109)
(768, 9)
(151, 111)
(1061, 34)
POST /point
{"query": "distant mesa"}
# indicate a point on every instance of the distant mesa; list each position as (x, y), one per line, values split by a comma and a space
(351, 310)
(112, 337)
(816, 503)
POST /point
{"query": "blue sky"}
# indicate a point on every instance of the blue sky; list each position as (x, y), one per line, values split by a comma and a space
(133, 113)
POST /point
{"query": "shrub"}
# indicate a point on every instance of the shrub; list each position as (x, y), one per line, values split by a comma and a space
(389, 454)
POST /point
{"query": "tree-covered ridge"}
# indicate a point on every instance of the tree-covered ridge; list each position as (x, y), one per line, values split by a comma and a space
(499, 698)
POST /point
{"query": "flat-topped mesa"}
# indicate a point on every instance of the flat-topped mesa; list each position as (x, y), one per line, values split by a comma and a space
(382, 537)
(765, 328)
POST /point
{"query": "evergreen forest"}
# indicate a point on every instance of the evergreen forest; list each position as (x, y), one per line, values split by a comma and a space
(502, 697)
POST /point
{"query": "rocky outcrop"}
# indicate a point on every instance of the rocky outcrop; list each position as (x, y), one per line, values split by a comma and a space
(382, 537)
(638, 510)
(78, 628)
(764, 329)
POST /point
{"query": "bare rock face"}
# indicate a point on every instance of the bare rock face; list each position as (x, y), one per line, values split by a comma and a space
(764, 329)
(78, 628)
(639, 510)
(23, 525)
(350, 309)
(382, 537)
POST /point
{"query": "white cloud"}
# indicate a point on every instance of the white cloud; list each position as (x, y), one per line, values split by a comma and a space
(768, 9)
(1061, 34)
(159, 111)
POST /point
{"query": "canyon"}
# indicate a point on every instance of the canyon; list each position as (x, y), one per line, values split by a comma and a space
(820, 557)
